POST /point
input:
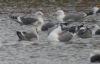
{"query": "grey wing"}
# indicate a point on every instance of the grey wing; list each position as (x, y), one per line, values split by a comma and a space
(47, 26)
(29, 36)
(73, 17)
(28, 21)
(87, 34)
(65, 37)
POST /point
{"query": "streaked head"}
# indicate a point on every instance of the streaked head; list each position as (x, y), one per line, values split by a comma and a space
(39, 13)
(95, 9)
(59, 15)
(60, 12)
(40, 16)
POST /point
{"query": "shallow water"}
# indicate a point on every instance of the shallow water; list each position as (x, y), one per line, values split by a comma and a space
(15, 52)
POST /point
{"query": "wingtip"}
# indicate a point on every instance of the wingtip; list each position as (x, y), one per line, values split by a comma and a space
(12, 17)
(20, 36)
(18, 32)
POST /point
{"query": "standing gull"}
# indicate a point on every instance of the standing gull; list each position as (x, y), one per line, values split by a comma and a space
(40, 22)
(60, 15)
(28, 20)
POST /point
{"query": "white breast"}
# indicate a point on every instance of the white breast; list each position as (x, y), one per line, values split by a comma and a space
(19, 19)
(54, 35)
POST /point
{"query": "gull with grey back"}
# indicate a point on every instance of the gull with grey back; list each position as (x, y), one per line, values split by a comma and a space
(74, 17)
(28, 36)
(59, 34)
(27, 20)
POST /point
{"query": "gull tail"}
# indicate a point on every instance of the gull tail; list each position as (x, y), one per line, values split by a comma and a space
(20, 36)
(13, 17)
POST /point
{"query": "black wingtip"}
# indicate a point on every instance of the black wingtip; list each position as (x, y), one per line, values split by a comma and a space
(13, 17)
(20, 36)
(18, 32)
(97, 32)
(89, 13)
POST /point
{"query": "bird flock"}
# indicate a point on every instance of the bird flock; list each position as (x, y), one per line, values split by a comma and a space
(58, 31)
(61, 30)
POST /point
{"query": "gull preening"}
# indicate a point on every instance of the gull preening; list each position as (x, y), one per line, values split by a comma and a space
(59, 34)
(27, 36)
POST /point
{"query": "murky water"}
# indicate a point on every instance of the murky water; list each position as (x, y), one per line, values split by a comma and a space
(15, 52)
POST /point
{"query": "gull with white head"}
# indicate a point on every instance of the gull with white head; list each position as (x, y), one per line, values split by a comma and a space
(60, 15)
